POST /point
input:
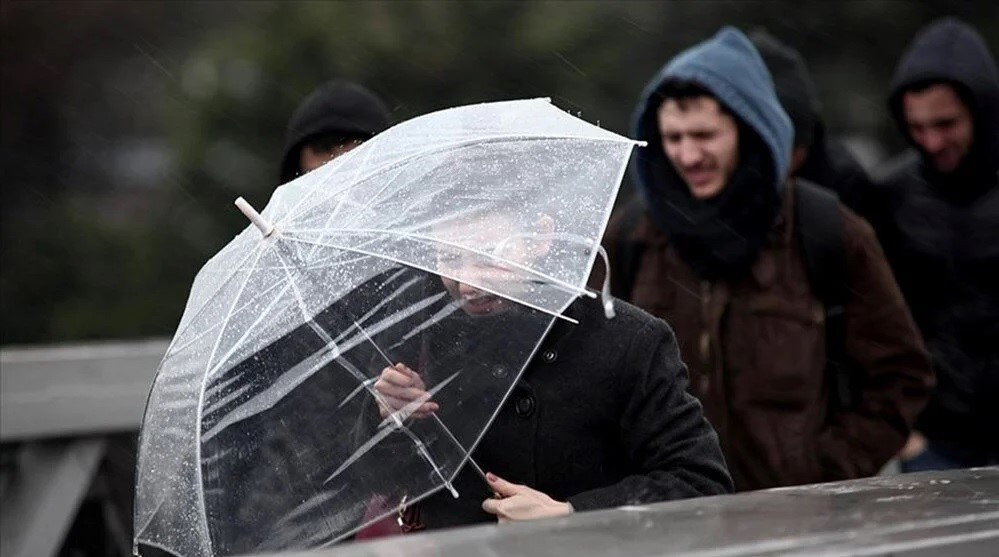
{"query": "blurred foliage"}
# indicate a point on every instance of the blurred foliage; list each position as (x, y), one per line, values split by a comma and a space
(91, 251)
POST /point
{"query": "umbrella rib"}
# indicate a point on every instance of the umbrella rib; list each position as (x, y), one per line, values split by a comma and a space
(359, 375)
(450, 308)
(247, 332)
(201, 335)
(336, 210)
(328, 169)
(386, 299)
(201, 400)
(325, 355)
(273, 394)
(384, 432)
(421, 448)
(435, 272)
(232, 274)
(326, 337)
(431, 240)
(509, 138)
(436, 418)
(364, 385)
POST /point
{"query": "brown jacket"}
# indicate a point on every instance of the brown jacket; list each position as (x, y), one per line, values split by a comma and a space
(755, 347)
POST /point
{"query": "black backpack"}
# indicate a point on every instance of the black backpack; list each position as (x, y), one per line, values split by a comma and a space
(819, 225)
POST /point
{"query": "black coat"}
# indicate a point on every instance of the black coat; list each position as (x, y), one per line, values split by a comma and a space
(940, 233)
(831, 165)
(945, 255)
(601, 418)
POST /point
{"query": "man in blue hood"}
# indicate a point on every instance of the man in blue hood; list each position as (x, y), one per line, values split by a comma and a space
(939, 223)
(715, 248)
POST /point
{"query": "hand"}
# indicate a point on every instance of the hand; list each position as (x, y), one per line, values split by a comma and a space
(915, 445)
(399, 386)
(519, 502)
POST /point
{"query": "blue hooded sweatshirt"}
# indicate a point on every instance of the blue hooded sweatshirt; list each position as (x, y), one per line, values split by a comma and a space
(722, 235)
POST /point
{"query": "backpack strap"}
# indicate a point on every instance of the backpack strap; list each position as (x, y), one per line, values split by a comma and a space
(819, 224)
(626, 256)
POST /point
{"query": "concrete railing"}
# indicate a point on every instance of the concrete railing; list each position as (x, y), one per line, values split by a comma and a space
(953, 513)
(75, 389)
(58, 405)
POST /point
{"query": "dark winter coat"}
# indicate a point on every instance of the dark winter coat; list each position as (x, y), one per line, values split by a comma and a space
(755, 346)
(831, 165)
(754, 339)
(941, 235)
(601, 417)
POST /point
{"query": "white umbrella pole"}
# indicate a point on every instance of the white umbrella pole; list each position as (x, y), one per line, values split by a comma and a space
(266, 228)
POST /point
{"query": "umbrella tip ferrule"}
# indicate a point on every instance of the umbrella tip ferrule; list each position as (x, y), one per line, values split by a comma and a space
(265, 226)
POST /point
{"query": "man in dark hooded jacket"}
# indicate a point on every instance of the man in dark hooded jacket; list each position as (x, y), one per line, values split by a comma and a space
(332, 120)
(815, 157)
(938, 220)
(600, 417)
(722, 262)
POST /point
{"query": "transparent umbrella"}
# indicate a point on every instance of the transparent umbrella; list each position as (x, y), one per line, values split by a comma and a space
(450, 243)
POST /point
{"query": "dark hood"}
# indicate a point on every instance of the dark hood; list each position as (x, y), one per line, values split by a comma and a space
(337, 107)
(951, 51)
(720, 236)
(794, 85)
(827, 163)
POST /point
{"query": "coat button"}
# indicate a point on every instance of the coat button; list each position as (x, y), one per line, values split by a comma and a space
(525, 406)
(549, 356)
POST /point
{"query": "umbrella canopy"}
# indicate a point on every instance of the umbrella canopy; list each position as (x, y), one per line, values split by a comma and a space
(449, 243)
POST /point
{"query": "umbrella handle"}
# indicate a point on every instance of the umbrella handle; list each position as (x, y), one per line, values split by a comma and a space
(605, 292)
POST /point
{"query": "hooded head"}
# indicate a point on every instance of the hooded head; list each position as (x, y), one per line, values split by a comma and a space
(947, 71)
(722, 234)
(337, 113)
(794, 86)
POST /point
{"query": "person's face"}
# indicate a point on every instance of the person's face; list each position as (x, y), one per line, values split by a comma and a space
(496, 235)
(701, 142)
(311, 158)
(940, 124)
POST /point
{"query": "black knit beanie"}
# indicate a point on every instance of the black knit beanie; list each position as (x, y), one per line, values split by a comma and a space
(337, 107)
(793, 83)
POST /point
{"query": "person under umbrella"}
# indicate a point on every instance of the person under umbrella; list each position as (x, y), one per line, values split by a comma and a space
(252, 439)
(600, 418)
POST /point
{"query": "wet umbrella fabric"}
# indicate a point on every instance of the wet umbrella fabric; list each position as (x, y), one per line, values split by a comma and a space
(262, 429)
